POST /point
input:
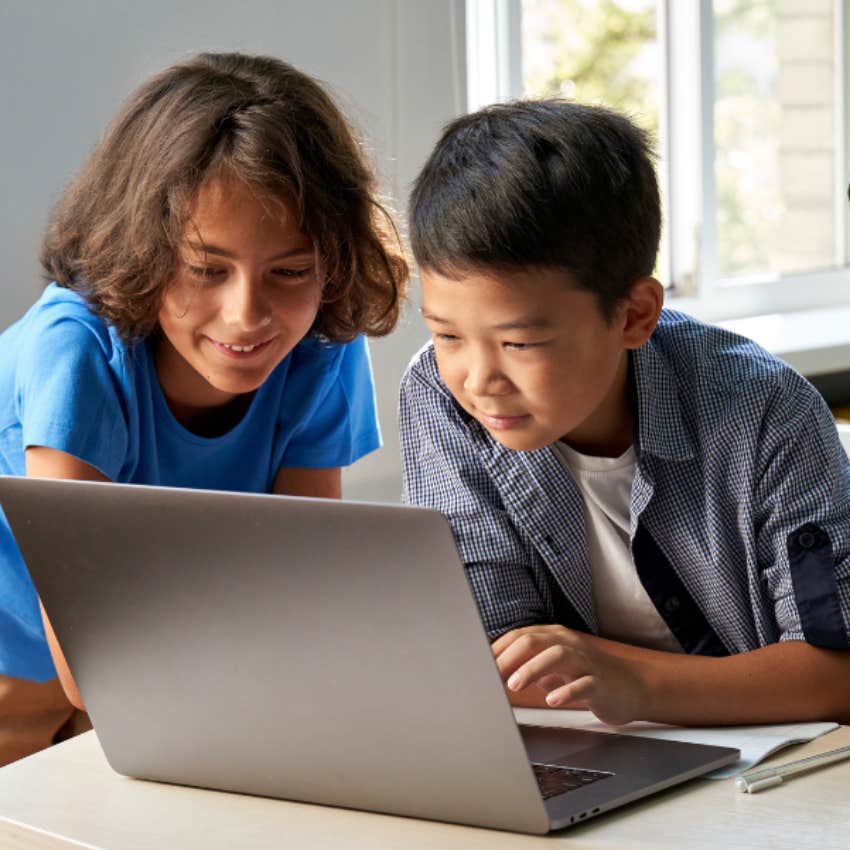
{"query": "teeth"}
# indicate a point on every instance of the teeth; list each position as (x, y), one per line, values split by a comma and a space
(240, 347)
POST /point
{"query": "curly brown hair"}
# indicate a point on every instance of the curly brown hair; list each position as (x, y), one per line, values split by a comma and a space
(114, 234)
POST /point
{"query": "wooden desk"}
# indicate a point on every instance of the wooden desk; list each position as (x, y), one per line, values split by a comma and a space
(68, 797)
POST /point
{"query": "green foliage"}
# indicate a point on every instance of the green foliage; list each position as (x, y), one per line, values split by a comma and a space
(606, 52)
(747, 119)
(594, 52)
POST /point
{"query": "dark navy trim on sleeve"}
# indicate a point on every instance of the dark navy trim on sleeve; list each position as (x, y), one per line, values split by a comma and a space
(670, 596)
(815, 588)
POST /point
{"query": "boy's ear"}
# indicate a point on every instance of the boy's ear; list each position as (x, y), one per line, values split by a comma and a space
(640, 311)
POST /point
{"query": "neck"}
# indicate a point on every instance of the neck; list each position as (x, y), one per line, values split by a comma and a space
(196, 405)
(210, 421)
(607, 432)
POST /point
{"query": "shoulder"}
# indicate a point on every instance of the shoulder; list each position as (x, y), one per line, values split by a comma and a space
(423, 394)
(62, 323)
(719, 367)
(327, 375)
(326, 403)
(429, 416)
(319, 357)
(59, 342)
(706, 390)
(423, 377)
(719, 354)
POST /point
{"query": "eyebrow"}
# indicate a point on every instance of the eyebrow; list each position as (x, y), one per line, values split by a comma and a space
(522, 324)
(223, 252)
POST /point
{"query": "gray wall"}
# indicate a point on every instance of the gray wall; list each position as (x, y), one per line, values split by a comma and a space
(396, 66)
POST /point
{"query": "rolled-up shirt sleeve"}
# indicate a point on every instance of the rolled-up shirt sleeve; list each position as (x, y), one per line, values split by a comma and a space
(802, 520)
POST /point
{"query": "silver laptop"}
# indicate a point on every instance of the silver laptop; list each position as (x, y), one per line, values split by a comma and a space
(323, 651)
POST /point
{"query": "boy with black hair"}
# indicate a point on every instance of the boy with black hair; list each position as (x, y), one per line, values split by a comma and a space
(654, 513)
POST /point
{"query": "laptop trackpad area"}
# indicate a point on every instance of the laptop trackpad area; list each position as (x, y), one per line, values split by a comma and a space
(569, 747)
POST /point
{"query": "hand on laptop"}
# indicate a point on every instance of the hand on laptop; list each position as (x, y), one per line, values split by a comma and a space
(575, 670)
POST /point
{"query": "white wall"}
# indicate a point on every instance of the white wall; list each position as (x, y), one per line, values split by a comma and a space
(395, 65)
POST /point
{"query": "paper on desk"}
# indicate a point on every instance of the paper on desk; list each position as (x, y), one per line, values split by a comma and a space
(754, 742)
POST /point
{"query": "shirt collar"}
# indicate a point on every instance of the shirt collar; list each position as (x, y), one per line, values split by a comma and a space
(655, 404)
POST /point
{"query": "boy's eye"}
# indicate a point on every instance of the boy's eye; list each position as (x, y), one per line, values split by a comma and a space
(446, 337)
(293, 274)
(206, 272)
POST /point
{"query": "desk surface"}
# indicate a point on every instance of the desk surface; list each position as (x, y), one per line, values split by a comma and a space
(68, 797)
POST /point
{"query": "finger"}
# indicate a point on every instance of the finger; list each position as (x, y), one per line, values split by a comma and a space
(555, 631)
(549, 683)
(524, 648)
(504, 641)
(546, 634)
(576, 693)
(557, 659)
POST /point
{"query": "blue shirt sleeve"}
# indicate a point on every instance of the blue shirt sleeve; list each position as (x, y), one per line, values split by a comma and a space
(343, 425)
(68, 391)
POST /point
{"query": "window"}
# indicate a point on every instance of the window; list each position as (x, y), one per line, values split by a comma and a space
(747, 101)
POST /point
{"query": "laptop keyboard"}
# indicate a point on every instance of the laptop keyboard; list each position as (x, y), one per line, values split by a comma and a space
(554, 780)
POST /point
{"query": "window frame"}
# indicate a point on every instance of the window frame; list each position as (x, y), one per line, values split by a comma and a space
(688, 263)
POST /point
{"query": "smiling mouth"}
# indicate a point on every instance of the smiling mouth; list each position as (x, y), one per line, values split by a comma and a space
(502, 423)
(236, 350)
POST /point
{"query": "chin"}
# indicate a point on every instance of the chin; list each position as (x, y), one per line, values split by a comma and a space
(520, 443)
(239, 386)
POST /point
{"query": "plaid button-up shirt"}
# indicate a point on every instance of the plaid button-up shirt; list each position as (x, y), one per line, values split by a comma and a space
(740, 512)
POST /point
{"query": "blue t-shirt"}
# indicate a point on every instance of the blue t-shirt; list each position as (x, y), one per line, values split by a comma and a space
(68, 382)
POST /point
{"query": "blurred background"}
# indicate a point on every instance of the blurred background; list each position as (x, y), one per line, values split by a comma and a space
(746, 100)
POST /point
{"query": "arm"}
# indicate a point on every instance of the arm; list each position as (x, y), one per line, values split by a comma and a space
(784, 682)
(318, 483)
(328, 419)
(50, 463)
(442, 469)
(801, 488)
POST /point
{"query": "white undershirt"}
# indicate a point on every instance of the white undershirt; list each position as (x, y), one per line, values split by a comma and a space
(624, 611)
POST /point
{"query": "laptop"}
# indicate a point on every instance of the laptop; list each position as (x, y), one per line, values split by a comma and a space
(315, 650)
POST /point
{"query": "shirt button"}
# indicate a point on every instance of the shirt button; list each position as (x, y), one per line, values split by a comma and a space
(807, 540)
(672, 604)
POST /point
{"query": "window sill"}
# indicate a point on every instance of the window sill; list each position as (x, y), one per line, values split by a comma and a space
(814, 342)
(803, 318)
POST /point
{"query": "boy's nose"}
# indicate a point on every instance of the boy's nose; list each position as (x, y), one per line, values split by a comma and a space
(245, 306)
(484, 378)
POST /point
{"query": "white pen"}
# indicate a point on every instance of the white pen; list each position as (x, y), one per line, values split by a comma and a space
(749, 783)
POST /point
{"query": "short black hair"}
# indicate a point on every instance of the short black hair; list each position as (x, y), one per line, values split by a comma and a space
(545, 183)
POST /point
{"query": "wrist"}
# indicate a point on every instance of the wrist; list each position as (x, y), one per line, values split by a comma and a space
(653, 695)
